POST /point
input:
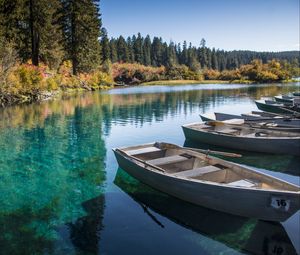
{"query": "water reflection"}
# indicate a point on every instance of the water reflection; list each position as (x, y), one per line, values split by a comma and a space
(133, 107)
(242, 234)
(48, 168)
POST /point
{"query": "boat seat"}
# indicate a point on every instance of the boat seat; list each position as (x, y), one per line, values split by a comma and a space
(142, 150)
(166, 160)
(227, 131)
(243, 183)
(234, 121)
(197, 171)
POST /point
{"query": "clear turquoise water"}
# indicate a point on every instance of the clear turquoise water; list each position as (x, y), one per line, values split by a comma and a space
(61, 191)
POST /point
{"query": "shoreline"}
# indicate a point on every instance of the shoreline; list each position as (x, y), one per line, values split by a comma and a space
(12, 100)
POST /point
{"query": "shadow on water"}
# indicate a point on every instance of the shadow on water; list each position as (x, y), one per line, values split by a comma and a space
(242, 234)
(279, 163)
(85, 231)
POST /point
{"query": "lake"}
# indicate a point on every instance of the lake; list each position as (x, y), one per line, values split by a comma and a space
(62, 192)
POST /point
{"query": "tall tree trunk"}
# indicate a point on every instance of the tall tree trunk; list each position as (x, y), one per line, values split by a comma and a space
(34, 37)
(73, 46)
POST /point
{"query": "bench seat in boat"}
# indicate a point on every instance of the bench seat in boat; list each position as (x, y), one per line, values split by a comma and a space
(142, 150)
(166, 160)
(229, 131)
(234, 121)
(197, 171)
(243, 183)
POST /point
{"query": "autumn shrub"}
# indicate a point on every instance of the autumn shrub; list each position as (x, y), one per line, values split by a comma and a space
(136, 73)
(269, 72)
(230, 75)
(182, 72)
(211, 74)
(267, 76)
(65, 69)
(53, 82)
(70, 82)
(96, 80)
(26, 79)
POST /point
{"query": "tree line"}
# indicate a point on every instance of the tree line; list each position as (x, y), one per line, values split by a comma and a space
(156, 52)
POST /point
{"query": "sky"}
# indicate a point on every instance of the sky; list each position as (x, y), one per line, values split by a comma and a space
(260, 25)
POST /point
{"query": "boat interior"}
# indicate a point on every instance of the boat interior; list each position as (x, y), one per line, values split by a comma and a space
(188, 164)
(235, 127)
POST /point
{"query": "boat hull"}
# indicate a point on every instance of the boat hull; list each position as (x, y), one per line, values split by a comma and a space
(284, 100)
(275, 108)
(266, 145)
(242, 202)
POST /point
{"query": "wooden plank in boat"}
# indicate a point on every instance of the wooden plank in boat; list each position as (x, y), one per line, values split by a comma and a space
(198, 171)
(234, 121)
(227, 131)
(166, 160)
(243, 183)
(142, 150)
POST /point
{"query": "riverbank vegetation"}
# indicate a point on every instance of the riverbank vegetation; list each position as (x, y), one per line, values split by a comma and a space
(47, 47)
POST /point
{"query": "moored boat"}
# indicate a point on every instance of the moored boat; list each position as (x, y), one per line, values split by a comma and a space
(274, 107)
(243, 137)
(217, 226)
(296, 94)
(260, 119)
(210, 182)
(284, 99)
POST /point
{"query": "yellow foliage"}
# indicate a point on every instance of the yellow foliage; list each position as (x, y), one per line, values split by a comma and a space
(25, 79)
(52, 83)
(211, 74)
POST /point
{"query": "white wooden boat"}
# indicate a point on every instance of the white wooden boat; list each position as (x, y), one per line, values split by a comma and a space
(257, 119)
(210, 182)
(243, 137)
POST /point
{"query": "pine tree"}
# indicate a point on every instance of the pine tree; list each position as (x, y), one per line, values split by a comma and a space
(184, 54)
(113, 51)
(122, 50)
(157, 52)
(214, 60)
(32, 26)
(51, 50)
(105, 47)
(138, 49)
(193, 63)
(147, 51)
(14, 26)
(171, 55)
(202, 54)
(82, 26)
(130, 49)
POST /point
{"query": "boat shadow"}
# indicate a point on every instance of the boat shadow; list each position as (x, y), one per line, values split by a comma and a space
(239, 233)
(287, 164)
